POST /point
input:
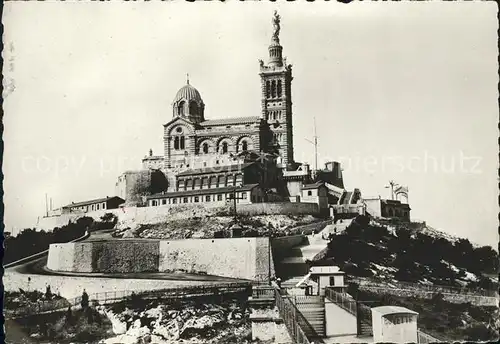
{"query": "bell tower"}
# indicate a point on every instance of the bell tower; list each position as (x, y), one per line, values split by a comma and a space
(276, 84)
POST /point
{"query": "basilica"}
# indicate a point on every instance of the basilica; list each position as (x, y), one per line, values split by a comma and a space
(201, 153)
(251, 159)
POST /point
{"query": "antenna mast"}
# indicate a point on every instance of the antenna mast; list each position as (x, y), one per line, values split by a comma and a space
(315, 146)
(315, 143)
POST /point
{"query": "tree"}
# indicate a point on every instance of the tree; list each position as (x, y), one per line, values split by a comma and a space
(48, 293)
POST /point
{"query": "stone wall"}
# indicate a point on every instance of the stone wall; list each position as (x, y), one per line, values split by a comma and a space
(283, 208)
(61, 257)
(104, 256)
(236, 257)
(125, 256)
(281, 246)
(129, 216)
(82, 258)
(244, 258)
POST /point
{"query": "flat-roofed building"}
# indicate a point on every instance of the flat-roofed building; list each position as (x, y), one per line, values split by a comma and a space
(245, 194)
(112, 202)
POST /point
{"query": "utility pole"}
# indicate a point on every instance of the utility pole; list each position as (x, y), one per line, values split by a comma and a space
(46, 206)
(234, 204)
(315, 143)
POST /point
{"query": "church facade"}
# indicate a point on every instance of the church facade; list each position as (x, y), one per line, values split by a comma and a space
(201, 153)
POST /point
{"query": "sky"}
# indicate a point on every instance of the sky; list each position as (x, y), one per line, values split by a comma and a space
(402, 91)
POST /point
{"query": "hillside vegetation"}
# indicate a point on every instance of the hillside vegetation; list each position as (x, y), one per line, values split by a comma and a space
(411, 253)
(31, 241)
(444, 320)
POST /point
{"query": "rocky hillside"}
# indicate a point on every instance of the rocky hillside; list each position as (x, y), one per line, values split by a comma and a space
(213, 226)
(393, 251)
(187, 321)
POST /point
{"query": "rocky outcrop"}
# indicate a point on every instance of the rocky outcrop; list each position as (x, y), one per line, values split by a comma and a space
(182, 323)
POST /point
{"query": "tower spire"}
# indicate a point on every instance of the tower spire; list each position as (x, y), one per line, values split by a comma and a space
(187, 78)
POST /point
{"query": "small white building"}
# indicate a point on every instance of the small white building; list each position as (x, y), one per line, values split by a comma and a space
(315, 193)
(327, 276)
(393, 324)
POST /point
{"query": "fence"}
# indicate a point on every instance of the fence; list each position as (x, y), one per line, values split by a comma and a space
(342, 300)
(299, 328)
(363, 314)
(263, 292)
(424, 338)
(40, 307)
(433, 288)
(110, 297)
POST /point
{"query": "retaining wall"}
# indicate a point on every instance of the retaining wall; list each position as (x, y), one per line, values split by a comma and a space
(244, 258)
(61, 256)
(128, 216)
(281, 246)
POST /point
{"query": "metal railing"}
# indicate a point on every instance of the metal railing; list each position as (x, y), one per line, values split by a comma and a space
(363, 314)
(432, 288)
(344, 301)
(39, 307)
(110, 297)
(424, 338)
(259, 292)
(299, 328)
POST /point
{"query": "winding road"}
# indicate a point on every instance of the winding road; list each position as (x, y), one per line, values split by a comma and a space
(34, 275)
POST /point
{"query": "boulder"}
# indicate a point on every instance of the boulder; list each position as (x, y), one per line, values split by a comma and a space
(202, 323)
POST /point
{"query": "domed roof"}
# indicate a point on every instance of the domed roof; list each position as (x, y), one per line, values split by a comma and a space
(188, 93)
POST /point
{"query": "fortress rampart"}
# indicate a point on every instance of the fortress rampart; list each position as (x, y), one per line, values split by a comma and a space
(243, 258)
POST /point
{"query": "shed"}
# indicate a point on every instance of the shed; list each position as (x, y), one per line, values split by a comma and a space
(394, 324)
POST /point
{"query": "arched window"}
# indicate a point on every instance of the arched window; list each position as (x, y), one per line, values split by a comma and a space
(268, 89)
(279, 88)
(222, 182)
(213, 182)
(224, 147)
(273, 89)
(189, 184)
(183, 143)
(205, 148)
(176, 143)
(204, 183)
(244, 146)
(180, 109)
(193, 108)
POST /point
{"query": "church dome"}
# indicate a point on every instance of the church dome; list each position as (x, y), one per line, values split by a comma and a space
(188, 93)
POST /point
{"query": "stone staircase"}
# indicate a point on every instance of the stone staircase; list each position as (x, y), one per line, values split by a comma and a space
(295, 264)
(313, 309)
(365, 330)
